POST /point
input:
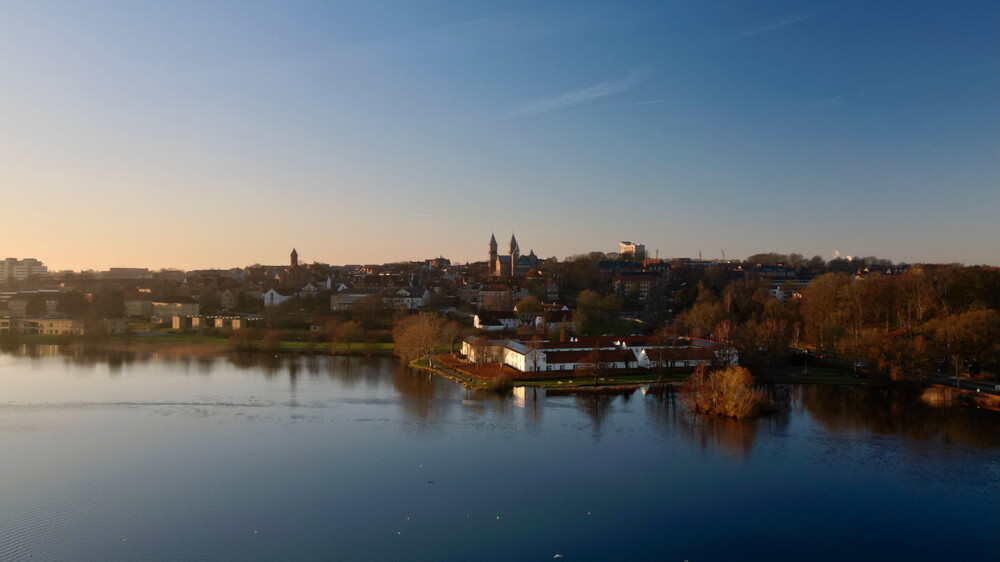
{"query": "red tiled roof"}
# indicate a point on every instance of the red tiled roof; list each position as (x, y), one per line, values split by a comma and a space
(679, 354)
(603, 355)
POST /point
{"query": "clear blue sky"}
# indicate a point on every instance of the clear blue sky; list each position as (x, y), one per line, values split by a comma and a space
(198, 134)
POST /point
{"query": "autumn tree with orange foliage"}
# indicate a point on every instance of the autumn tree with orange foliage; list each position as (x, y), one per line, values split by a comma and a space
(727, 392)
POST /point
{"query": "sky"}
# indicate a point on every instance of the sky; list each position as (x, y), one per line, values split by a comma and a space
(221, 134)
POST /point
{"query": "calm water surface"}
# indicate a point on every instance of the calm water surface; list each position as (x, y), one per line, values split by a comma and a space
(359, 459)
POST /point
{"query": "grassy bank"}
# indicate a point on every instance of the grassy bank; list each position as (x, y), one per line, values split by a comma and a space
(477, 383)
(448, 373)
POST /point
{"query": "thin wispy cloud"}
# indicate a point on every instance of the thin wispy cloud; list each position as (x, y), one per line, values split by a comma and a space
(776, 25)
(638, 103)
(635, 77)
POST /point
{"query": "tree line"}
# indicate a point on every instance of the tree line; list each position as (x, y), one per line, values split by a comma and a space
(903, 323)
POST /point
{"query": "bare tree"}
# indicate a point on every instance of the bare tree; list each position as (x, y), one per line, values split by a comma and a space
(527, 308)
(451, 331)
(348, 332)
(416, 337)
(591, 365)
(479, 344)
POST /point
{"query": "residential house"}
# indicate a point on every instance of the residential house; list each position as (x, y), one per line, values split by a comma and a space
(138, 305)
(168, 307)
(496, 321)
(274, 297)
(410, 298)
(345, 300)
(310, 290)
(638, 285)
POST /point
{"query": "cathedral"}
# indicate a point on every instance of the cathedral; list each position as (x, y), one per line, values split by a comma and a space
(513, 264)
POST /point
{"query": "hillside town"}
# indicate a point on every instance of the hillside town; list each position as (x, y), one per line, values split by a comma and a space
(622, 310)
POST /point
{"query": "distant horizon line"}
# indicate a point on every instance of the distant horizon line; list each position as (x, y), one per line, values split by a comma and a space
(98, 269)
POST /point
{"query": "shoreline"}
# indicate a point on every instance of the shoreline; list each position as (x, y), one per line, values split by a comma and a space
(964, 397)
(214, 348)
(473, 382)
(192, 347)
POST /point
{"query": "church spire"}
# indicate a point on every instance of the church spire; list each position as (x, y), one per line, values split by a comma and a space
(493, 263)
(295, 258)
(513, 245)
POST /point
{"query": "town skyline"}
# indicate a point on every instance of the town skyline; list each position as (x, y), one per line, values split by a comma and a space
(154, 135)
(651, 253)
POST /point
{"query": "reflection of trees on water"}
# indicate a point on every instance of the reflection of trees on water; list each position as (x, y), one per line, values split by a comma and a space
(879, 410)
(411, 383)
(903, 413)
(533, 407)
(599, 403)
(663, 409)
(712, 432)
(352, 371)
(427, 398)
(311, 363)
(205, 365)
(417, 390)
(729, 435)
(348, 371)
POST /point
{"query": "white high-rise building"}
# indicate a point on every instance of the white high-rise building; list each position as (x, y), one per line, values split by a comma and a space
(638, 251)
(13, 269)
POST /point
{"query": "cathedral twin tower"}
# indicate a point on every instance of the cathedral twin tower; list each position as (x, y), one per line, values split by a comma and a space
(513, 264)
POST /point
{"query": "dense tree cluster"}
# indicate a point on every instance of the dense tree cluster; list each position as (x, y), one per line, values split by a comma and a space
(904, 323)
(727, 392)
(419, 336)
(108, 303)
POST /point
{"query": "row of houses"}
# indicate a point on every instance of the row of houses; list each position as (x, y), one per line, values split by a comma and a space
(611, 352)
(218, 322)
(16, 304)
(552, 317)
(410, 298)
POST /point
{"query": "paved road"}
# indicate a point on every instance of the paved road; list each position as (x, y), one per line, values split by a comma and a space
(985, 387)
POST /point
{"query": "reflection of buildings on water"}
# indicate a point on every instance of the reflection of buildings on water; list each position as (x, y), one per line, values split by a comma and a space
(74, 355)
(34, 350)
(532, 401)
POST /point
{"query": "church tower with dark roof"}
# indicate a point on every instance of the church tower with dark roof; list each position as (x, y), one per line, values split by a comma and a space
(515, 253)
(494, 267)
(295, 258)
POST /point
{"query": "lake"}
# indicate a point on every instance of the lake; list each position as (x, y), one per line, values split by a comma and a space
(349, 458)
